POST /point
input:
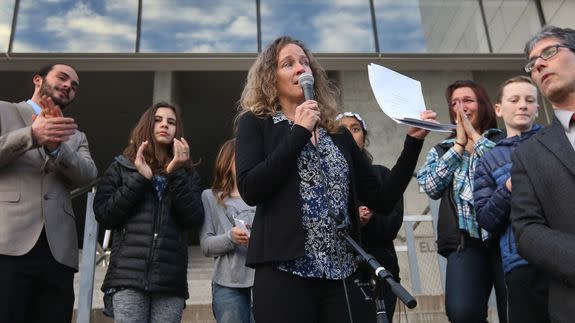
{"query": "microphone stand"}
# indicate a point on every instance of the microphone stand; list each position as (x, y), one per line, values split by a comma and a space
(380, 273)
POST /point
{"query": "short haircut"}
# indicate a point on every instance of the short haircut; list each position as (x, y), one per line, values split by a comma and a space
(44, 70)
(565, 35)
(515, 79)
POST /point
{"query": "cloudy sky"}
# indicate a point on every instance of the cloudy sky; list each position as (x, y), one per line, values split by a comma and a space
(6, 12)
(215, 26)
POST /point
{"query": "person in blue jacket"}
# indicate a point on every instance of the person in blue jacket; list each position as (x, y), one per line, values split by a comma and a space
(526, 284)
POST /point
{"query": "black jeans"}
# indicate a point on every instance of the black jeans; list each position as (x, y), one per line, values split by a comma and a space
(280, 297)
(35, 287)
(471, 273)
(527, 289)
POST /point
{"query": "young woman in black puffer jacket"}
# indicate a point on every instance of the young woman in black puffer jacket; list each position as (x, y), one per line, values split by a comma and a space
(149, 196)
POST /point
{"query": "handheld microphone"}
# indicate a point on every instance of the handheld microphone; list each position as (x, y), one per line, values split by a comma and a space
(306, 82)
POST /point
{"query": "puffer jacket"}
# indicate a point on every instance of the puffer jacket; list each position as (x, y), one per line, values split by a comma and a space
(149, 249)
(493, 199)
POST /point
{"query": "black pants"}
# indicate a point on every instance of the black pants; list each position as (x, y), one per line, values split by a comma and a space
(280, 297)
(470, 275)
(35, 288)
(527, 295)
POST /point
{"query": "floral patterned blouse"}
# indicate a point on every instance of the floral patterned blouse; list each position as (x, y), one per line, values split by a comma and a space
(324, 191)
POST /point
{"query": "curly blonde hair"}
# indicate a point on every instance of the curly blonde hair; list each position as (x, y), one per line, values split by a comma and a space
(260, 95)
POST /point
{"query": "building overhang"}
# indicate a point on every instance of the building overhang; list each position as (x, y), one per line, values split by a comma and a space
(242, 62)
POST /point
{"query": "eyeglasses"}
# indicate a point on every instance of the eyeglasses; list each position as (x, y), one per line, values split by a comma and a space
(353, 115)
(546, 54)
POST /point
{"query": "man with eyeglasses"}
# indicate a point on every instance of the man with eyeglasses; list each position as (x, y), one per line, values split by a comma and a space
(543, 172)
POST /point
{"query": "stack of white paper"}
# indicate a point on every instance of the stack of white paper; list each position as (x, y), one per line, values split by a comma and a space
(401, 98)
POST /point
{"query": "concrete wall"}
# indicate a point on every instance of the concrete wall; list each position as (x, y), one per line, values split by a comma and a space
(559, 12)
(511, 23)
(453, 26)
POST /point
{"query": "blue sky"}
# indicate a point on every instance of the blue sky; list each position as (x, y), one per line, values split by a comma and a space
(215, 26)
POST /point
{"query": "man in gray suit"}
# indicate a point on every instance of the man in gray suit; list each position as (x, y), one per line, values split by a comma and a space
(42, 157)
(543, 173)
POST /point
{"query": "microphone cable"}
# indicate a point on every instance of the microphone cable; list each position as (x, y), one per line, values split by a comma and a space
(323, 179)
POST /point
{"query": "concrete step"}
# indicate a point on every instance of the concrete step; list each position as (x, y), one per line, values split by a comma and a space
(430, 309)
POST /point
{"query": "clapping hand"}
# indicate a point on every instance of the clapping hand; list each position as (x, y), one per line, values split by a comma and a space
(50, 128)
(140, 161)
(49, 108)
(466, 135)
(181, 155)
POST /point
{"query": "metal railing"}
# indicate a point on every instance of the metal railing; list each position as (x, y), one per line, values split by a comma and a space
(92, 253)
(410, 223)
(88, 262)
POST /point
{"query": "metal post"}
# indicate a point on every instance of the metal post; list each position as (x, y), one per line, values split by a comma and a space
(412, 257)
(88, 264)
(442, 262)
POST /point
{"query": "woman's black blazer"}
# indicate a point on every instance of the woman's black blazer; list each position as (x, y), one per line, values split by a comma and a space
(267, 175)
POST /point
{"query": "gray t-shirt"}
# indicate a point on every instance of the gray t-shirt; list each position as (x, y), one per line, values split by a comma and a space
(216, 240)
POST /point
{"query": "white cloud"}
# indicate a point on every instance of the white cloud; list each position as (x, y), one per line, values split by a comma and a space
(82, 20)
(26, 47)
(121, 7)
(78, 29)
(6, 12)
(215, 26)
(214, 14)
(242, 27)
(342, 31)
(348, 4)
(29, 4)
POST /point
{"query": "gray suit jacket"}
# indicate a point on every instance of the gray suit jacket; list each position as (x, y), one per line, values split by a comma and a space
(35, 189)
(543, 213)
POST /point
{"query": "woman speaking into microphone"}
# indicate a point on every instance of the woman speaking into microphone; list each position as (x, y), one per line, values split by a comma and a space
(304, 175)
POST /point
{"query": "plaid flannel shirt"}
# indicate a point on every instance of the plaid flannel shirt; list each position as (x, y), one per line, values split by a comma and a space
(456, 170)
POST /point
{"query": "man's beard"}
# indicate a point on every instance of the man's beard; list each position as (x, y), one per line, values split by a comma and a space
(48, 90)
(559, 95)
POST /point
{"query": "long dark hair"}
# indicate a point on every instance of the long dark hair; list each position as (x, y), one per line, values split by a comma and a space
(486, 118)
(363, 125)
(224, 180)
(144, 131)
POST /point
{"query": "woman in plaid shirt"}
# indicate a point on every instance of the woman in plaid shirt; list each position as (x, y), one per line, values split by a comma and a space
(473, 262)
